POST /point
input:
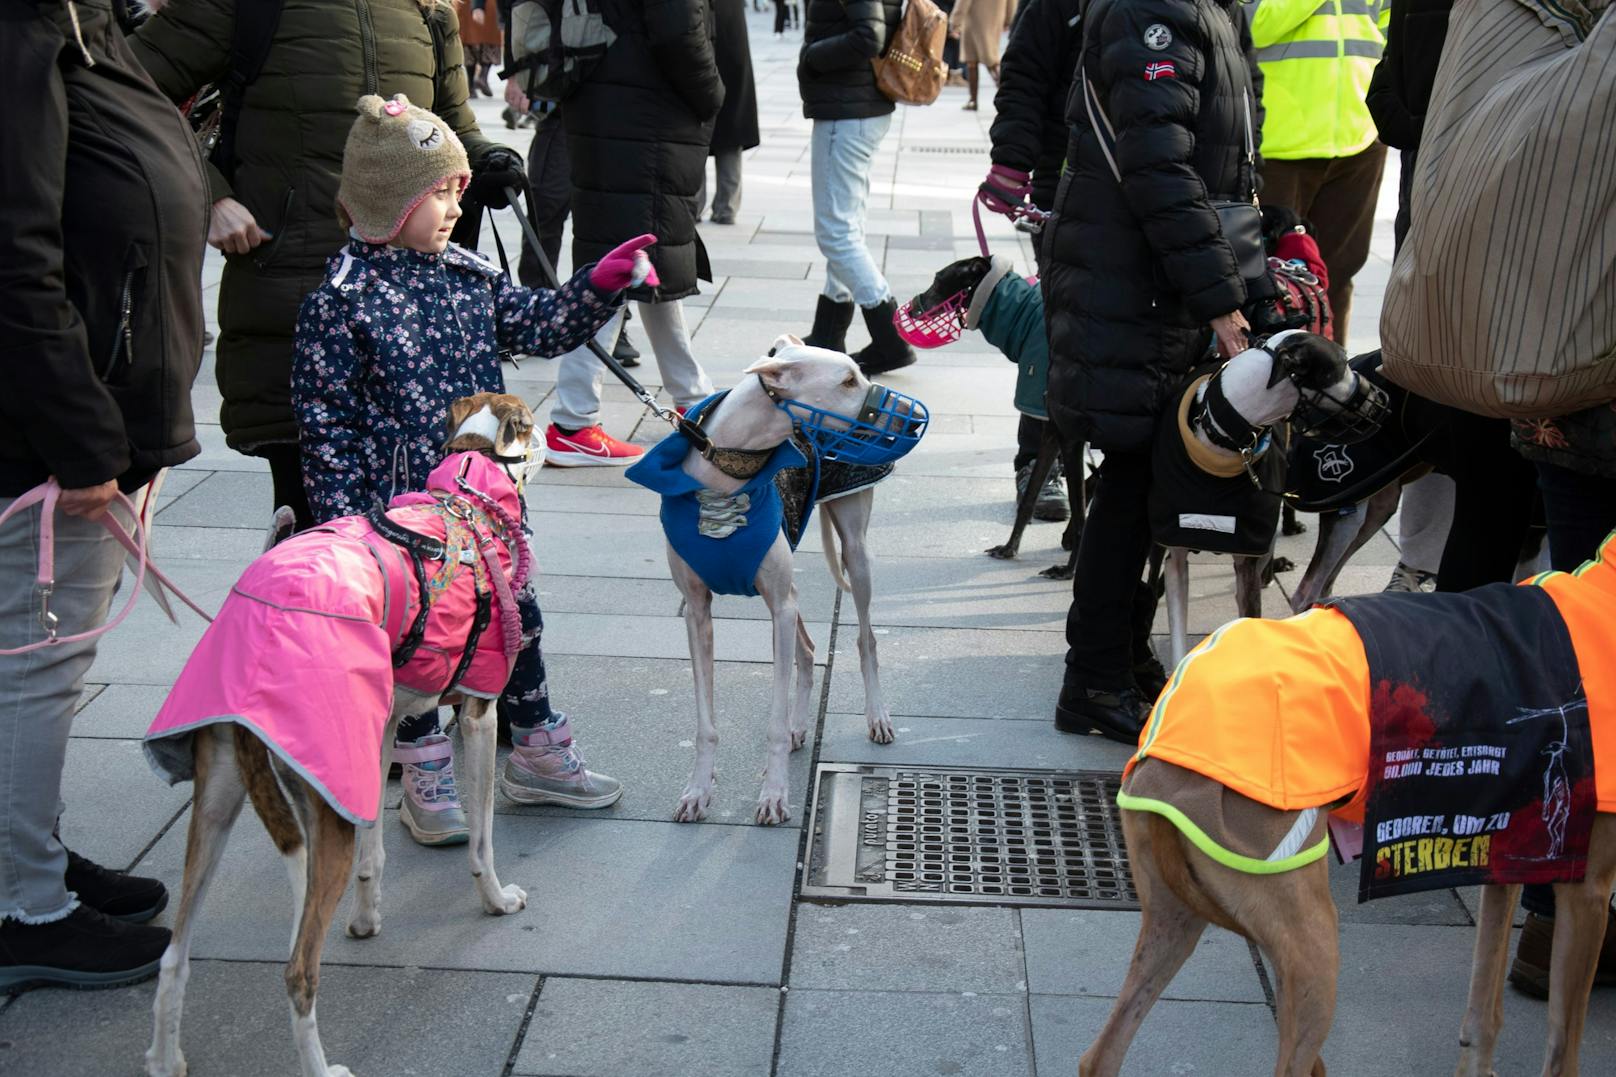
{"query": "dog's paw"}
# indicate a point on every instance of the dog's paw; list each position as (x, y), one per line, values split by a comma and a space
(338, 1071)
(511, 898)
(880, 727)
(1005, 552)
(365, 925)
(799, 737)
(772, 809)
(166, 1067)
(693, 805)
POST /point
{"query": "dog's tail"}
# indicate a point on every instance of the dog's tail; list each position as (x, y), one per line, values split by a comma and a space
(1168, 846)
(267, 799)
(833, 556)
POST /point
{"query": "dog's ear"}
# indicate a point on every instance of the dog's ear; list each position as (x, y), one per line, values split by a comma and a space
(784, 341)
(777, 374)
(515, 422)
(480, 435)
(461, 409)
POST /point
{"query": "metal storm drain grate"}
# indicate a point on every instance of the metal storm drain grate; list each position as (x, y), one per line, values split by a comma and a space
(1011, 837)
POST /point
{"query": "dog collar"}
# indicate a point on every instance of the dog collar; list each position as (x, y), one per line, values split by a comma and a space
(739, 464)
(1224, 426)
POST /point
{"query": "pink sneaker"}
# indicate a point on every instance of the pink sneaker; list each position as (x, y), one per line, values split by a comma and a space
(589, 447)
(431, 810)
(545, 767)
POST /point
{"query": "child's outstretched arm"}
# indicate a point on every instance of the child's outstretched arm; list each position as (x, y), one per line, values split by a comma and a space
(537, 321)
(326, 399)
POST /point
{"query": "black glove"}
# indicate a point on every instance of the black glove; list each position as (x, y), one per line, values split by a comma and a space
(500, 168)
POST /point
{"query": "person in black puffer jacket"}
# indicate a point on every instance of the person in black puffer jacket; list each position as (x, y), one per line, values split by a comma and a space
(851, 117)
(1135, 273)
(637, 136)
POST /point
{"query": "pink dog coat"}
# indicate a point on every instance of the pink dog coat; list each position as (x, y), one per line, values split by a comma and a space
(301, 653)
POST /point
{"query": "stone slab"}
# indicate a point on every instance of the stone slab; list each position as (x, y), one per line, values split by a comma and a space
(1205, 1039)
(969, 742)
(816, 596)
(116, 806)
(119, 711)
(614, 1028)
(861, 1033)
(235, 1023)
(957, 673)
(967, 592)
(605, 898)
(1083, 952)
(224, 499)
(636, 720)
(858, 947)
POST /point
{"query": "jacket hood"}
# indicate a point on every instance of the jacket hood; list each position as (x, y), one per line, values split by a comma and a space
(481, 474)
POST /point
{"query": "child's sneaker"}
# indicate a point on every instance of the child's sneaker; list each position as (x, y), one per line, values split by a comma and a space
(545, 767)
(431, 808)
(589, 447)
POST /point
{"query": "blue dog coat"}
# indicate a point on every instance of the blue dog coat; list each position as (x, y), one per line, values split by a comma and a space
(722, 537)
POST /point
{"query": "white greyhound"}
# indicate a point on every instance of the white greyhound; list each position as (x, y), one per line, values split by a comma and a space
(749, 420)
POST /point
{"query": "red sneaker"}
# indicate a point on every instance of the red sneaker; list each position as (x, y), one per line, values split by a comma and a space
(589, 447)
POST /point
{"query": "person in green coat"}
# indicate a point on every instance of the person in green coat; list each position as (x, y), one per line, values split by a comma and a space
(274, 199)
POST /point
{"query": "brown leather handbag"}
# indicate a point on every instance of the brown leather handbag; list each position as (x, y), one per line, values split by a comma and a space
(911, 70)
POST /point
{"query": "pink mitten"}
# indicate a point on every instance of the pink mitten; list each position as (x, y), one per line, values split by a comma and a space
(625, 266)
(1004, 189)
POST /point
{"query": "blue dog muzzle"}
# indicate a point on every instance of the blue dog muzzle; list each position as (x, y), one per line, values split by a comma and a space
(888, 425)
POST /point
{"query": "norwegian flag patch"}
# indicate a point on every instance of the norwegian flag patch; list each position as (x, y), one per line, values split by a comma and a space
(1161, 69)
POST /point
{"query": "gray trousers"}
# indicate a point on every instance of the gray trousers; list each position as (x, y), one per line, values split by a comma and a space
(41, 690)
(727, 193)
(1425, 514)
(577, 391)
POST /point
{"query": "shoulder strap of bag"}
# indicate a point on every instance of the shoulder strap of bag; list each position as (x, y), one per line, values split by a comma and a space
(250, 41)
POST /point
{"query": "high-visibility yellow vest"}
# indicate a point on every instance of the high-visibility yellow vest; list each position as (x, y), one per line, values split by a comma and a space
(1317, 57)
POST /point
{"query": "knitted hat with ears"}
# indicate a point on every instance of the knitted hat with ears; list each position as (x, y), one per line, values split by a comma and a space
(397, 154)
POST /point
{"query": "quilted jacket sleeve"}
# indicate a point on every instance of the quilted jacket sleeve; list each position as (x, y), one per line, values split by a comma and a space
(861, 43)
(1033, 78)
(537, 321)
(1155, 121)
(326, 396)
(679, 33)
(184, 48)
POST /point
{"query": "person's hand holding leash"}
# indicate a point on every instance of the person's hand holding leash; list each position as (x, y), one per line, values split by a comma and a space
(501, 169)
(233, 229)
(625, 266)
(1231, 331)
(516, 99)
(89, 502)
(1005, 189)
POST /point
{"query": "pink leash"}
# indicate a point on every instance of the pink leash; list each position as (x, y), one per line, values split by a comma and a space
(46, 495)
(1021, 212)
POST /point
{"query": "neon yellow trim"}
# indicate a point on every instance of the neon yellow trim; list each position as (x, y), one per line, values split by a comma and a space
(1203, 841)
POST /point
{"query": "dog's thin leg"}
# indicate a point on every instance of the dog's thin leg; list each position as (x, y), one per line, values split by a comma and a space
(805, 686)
(851, 515)
(1484, 1012)
(478, 731)
(1581, 913)
(219, 795)
(367, 917)
(1297, 928)
(1248, 573)
(1048, 453)
(698, 794)
(331, 851)
(780, 594)
(1177, 574)
(1168, 932)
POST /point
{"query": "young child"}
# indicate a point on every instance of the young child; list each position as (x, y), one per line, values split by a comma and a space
(405, 323)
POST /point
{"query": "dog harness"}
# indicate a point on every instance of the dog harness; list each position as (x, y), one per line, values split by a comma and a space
(1279, 711)
(320, 630)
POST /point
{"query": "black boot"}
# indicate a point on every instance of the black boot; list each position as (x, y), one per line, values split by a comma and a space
(84, 949)
(1115, 713)
(831, 320)
(886, 350)
(624, 351)
(129, 898)
(471, 80)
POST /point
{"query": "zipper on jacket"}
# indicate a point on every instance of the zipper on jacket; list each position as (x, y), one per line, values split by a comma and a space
(367, 39)
(123, 340)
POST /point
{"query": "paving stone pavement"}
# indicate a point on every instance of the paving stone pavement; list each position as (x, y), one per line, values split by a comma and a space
(650, 948)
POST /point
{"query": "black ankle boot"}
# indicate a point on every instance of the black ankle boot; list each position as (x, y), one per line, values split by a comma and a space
(831, 320)
(886, 350)
(1115, 713)
(129, 898)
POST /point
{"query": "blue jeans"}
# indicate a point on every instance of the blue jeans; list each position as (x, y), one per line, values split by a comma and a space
(843, 153)
(1581, 511)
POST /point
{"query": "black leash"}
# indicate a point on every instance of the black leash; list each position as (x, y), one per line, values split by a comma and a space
(690, 430)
